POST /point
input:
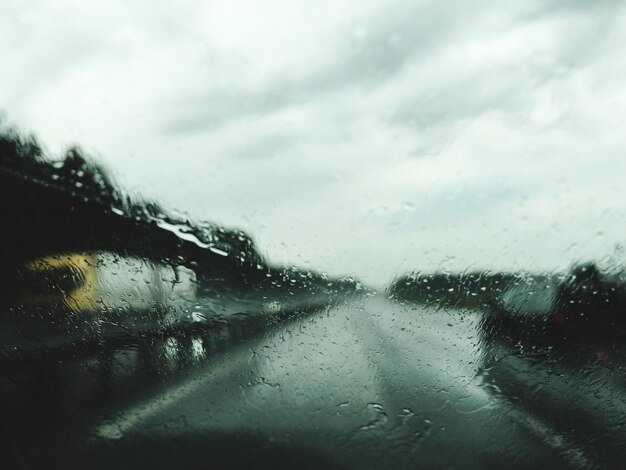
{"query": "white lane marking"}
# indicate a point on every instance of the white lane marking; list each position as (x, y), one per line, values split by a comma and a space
(434, 336)
(574, 455)
(220, 368)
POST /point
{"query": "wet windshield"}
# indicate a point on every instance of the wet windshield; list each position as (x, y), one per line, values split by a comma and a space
(318, 234)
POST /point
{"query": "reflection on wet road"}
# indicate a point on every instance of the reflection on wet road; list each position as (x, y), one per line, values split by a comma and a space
(363, 383)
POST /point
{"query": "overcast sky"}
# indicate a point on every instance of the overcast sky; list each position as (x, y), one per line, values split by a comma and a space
(355, 137)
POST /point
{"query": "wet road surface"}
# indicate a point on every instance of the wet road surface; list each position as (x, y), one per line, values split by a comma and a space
(364, 383)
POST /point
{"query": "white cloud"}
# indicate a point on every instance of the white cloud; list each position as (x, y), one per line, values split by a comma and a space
(355, 137)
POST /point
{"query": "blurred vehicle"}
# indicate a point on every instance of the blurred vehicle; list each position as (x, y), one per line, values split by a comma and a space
(582, 302)
(63, 299)
(529, 300)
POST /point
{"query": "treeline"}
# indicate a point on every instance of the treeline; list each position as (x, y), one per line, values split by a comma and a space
(71, 204)
(464, 290)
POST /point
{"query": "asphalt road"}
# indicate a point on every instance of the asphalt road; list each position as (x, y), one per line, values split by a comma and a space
(364, 383)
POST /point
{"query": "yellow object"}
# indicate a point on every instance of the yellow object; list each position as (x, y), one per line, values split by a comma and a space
(82, 298)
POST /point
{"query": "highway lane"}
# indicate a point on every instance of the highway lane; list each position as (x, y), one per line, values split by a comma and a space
(366, 383)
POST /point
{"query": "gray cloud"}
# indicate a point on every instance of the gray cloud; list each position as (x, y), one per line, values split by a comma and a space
(264, 147)
(508, 88)
(396, 37)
